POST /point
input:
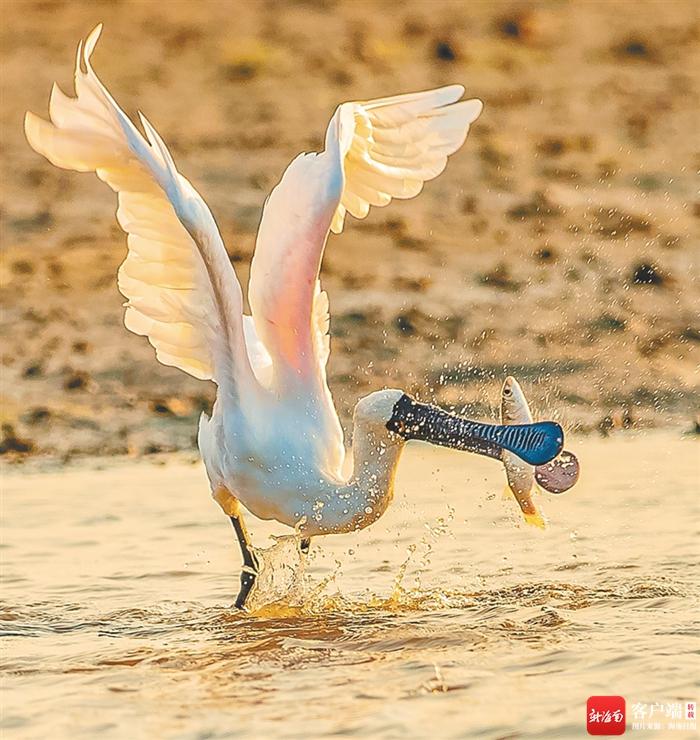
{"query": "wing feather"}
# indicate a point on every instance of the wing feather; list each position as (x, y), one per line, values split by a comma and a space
(399, 143)
(375, 151)
(181, 290)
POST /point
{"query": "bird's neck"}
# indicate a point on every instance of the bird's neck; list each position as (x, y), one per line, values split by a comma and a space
(375, 457)
(364, 497)
(370, 489)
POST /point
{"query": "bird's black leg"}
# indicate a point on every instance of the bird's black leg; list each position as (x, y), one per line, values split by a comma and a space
(305, 544)
(250, 561)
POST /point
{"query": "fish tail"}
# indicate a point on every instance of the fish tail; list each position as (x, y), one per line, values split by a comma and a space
(536, 520)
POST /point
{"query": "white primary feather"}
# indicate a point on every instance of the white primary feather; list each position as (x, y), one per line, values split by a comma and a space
(396, 144)
(181, 288)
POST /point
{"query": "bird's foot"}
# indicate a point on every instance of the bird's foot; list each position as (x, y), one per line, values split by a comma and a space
(249, 576)
(304, 545)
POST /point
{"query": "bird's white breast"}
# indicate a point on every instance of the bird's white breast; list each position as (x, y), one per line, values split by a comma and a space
(273, 468)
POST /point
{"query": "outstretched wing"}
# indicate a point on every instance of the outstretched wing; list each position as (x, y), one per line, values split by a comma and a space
(181, 288)
(399, 143)
(375, 151)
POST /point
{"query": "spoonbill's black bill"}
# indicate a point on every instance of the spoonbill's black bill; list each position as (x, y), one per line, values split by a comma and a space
(534, 443)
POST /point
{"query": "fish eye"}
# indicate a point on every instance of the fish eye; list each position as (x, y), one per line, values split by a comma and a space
(507, 391)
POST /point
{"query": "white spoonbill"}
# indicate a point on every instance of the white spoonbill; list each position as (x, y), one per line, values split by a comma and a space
(274, 442)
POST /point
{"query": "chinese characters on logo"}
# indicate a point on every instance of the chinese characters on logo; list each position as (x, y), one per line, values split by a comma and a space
(674, 715)
(605, 715)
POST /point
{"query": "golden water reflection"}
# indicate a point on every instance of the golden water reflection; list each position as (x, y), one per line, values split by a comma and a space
(448, 618)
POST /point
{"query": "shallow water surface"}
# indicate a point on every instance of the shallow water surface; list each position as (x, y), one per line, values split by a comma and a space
(449, 617)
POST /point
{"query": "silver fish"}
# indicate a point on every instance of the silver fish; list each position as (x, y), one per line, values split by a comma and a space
(520, 475)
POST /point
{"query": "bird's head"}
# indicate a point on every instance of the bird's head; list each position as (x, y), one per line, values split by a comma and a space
(373, 413)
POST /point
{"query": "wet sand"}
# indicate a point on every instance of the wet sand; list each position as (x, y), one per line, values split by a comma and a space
(560, 245)
(448, 614)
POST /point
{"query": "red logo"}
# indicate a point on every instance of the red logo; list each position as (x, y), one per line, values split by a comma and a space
(605, 715)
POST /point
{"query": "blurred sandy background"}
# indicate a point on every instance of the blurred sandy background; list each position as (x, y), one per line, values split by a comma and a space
(561, 244)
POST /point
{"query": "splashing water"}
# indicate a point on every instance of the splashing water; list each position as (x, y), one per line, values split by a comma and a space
(281, 576)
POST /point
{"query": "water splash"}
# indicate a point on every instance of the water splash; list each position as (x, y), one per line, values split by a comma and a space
(281, 577)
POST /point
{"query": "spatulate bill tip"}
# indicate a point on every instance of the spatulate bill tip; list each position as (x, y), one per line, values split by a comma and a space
(559, 474)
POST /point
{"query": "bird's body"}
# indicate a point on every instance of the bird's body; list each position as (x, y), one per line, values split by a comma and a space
(277, 472)
(273, 441)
